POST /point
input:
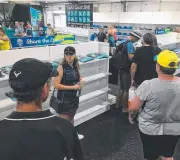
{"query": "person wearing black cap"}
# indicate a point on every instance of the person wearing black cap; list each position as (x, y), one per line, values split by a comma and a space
(30, 133)
(69, 84)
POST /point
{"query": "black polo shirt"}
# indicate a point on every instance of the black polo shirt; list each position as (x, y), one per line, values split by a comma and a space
(101, 36)
(38, 136)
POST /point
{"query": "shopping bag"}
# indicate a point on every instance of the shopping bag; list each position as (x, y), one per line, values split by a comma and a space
(131, 95)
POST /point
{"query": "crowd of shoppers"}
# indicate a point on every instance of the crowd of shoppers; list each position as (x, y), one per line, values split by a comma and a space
(155, 104)
(157, 101)
(22, 30)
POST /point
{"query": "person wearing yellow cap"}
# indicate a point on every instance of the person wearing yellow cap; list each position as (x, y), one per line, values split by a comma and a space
(157, 103)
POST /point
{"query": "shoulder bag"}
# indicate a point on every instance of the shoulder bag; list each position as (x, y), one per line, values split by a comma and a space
(55, 103)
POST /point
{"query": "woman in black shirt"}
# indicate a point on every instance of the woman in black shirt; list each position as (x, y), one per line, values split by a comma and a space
(143, 65)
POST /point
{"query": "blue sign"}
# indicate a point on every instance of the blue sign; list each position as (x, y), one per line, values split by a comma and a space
(160, 31)
(38, 41)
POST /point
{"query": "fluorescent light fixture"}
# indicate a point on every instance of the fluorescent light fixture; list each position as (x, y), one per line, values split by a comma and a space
(3, 1)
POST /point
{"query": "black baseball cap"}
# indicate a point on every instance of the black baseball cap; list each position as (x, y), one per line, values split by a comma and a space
(69, 50)
(30, 74)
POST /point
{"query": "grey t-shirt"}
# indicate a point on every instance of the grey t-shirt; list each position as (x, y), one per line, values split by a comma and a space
(161, 114)
(19, 30)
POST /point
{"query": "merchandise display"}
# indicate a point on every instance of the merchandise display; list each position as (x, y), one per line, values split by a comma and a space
(98, 55)
(85, 59)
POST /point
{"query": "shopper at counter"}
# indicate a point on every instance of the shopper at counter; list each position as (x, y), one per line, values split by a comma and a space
(28, 29)
(101, 35)
(143, 65)
(30, 133)
(112, 31)
(50, 30)
(19, 32)
(22, 26)
(124, 73)
(158, 102)
(4, 41)
(69, 84)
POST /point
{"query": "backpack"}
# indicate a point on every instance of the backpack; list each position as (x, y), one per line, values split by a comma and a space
(120, 57)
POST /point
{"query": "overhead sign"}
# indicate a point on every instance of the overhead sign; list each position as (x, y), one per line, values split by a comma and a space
(79, 15)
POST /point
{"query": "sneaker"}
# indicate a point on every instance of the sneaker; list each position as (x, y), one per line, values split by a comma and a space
(80, 136)
(124, 110)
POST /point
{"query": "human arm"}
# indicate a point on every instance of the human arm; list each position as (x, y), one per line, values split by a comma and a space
(59, 86)
(141, 95)
(105, 38)
(134, 67)
(81, 79)
(133, 71)
(130, 49)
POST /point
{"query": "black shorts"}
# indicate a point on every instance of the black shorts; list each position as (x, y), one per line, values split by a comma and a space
(125, 80)
(68, 106)
(156, 146)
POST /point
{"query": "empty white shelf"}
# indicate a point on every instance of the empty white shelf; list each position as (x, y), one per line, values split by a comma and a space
(96, 77)
(93, 61)
(92, 95)
(94, 111)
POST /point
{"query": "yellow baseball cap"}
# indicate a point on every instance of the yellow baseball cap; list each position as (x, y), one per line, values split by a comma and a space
(166, 59)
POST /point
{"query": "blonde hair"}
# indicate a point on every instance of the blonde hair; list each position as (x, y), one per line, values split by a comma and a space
(75, 64)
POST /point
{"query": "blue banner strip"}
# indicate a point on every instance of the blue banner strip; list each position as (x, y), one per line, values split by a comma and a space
(38, 41)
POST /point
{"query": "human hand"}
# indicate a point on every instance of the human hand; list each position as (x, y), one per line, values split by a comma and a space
(132, 83)
(130, 119)
(82, 81)
(77, 87)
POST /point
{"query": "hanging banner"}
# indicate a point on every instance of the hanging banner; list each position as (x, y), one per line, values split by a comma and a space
(79, 15)
(42, 41)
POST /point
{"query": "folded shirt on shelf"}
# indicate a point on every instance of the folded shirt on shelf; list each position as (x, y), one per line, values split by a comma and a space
(6, 69)
(85, 59)
(98, 55)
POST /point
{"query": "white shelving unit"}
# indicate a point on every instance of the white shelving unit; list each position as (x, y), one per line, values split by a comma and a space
(94, 100)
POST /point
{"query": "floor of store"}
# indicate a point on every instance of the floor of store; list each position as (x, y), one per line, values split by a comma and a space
(111, 137)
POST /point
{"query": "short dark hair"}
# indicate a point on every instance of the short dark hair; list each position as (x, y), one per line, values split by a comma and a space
(168, 71)
(30, 96)
(148, 39)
